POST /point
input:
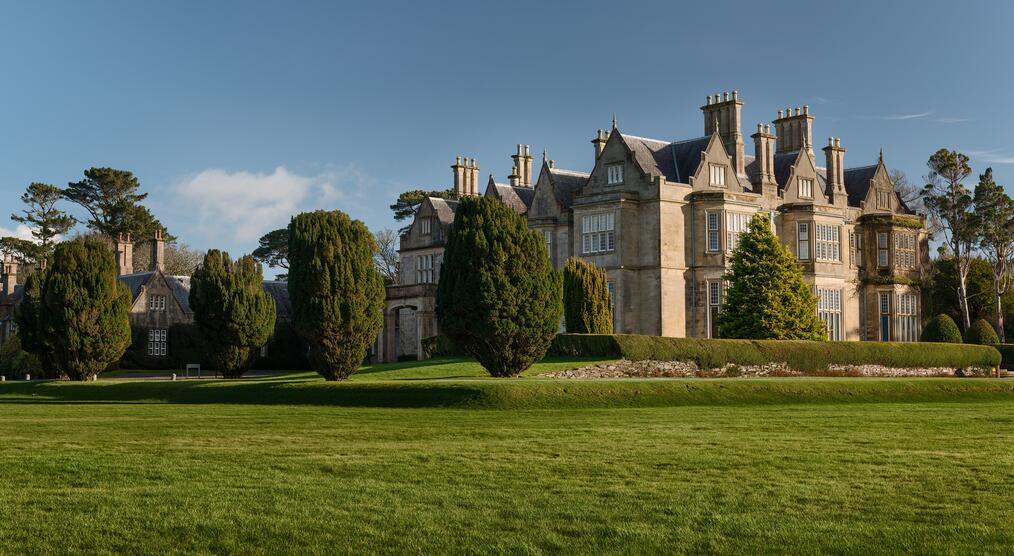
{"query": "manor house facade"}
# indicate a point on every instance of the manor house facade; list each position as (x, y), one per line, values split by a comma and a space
(662, 218)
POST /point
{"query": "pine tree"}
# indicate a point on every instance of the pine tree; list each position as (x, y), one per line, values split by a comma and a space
(336, 292)
(46, 221)
(766, 297)
(498, 298)
(233, 312)
(82, 326)
(113, 202)
(586, 302)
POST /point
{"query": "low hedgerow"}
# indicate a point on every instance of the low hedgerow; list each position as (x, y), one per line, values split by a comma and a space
(799, 355)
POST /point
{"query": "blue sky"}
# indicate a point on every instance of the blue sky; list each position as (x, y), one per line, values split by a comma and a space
(236, 115)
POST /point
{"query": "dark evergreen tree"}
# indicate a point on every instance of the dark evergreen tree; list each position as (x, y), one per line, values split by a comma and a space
(587, 307)
(766, 297)
(982, 333)
(336, 292)
(27, 318)
(498, 298)
(113, 202)
(82, 325)
(941, 328)
(408, 202)
(234, 313)
(995, 210)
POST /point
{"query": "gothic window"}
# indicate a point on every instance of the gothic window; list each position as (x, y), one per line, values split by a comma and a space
(157, 342)
(614, 174)
(598, 233)
(829, 312)
(717, 176)
(806, 188)
(713, 231)
(156, 303)
(803, 240)
(735, 224)
(828, 242)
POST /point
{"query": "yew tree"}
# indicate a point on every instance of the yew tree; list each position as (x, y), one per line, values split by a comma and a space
(337, 294)
(587, 307)
(499, 298)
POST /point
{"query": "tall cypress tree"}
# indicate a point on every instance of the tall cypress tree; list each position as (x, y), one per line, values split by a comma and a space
(336, 291)
(233, 312)
(498, 298)
(766, 297)
(586, 303)
(27, 317)
(82, 325)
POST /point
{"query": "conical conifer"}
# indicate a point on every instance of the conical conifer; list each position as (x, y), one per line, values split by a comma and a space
(586, 302)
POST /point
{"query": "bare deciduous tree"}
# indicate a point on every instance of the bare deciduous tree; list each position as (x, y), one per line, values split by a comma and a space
(386, 258)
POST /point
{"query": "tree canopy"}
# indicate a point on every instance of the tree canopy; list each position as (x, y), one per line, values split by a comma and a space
(498, 297)
(766, 296)
(112, 199)
(273, 250)
(42, 216)
(407, 203)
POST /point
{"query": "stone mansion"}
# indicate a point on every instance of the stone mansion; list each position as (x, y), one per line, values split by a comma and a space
(662, 217)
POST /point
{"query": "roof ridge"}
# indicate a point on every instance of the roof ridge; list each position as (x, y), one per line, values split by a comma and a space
(682, 141)
(572, 172)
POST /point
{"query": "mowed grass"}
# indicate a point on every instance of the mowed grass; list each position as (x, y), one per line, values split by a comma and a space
(716, 466)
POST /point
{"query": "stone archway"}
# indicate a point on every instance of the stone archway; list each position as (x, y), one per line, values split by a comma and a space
(403, 342)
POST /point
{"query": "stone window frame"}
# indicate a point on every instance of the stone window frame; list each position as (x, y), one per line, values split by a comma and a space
(425, 226)
(805, 187)
(827, 247)
(157, 342)
(715, 292)
(713, 231)
(598, 233)
(156, 302)
(614, 173)
(829, 311)
(716, 175)
(883, 249)
(424, 269)
(803, 241)
(736, 224)
(907, 315)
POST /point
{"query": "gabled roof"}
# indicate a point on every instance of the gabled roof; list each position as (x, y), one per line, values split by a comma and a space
(652, 155)
(686, 156)
(857, 183)
(566, 184)
(444, 209)
(517, 197)
(783, 167)
(180, 285)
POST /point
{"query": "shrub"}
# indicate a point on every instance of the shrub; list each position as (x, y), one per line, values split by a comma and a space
(799, 355)
(981, 333)
(498, 297)
(587, 308)
(941, 329)
(1006, 355)
(286, 351)
(186, 346)
(439, 346)
(16, 362)
(233, 312)
(767, 297)
(81, 313)
(336, 291)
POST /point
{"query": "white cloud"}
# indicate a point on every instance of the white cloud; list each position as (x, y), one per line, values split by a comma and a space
(993, 156)
(241, 206)
(908, 116)
(21, 232)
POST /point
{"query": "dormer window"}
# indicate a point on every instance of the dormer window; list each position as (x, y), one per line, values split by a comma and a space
(717, 172)
(806, 188)
(614, 174)
(424, 226)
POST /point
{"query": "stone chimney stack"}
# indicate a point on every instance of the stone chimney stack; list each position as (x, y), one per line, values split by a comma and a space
(725, 111)
(158, 252)
(514, 178)
(834, 155)
(523, 163)
(459, 176)
(794, 131)
(124, 255)
(473, 178)
(9, 276)
(764, 151)
(600, 143)
(518, 172)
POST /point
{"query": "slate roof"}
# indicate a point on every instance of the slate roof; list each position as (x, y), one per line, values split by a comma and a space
(687, 157)
(444, 209)
(566, 184)
(518, 198)
(180, 286)
(280, 291)
(653, 155)
(857, 183)
(783, 167)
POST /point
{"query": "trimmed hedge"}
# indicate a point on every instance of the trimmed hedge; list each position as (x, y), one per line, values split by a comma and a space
(440, 346)
(941, 328)
(981, 333)
(800, 355)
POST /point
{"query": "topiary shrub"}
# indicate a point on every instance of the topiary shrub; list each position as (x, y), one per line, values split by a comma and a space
(234, 313)
(81, 314)
(941, 329)
(336, 291)
(499, 298)
(587, 308)
(981, 333)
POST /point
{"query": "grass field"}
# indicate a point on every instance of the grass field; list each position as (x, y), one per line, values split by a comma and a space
(435, 458)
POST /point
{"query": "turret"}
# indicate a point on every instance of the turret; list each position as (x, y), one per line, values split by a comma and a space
(724, 112)
(794, 131)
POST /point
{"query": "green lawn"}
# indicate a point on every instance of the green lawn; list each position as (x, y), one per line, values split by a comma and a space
(390, 463)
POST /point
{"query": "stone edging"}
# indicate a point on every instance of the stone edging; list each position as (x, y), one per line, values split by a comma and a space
(625, 368)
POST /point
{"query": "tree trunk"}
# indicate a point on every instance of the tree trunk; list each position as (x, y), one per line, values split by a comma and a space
(999, 309)
(963, 297)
